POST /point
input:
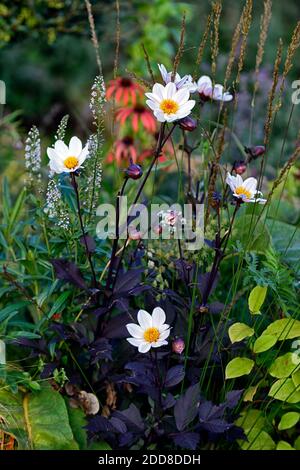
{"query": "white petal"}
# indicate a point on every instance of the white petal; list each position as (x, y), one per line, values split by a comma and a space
(144, 347)
(52, 154)
(75, 146)
(158, 344)
(250, 184)
(227, 96)
(158, 90)
(144, 319)
(152, 104)
(164, 327)
(56, 166)
(83, 155)
(61, 149)
(134, 341)
(182, 96)
(158, 317)
(163, 72)
(218, 92)
(135, 330)
(170, 90)
(159, 115)
(203, 83)
(164, 335)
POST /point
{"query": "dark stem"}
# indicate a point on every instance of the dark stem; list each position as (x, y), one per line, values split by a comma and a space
(88, 254)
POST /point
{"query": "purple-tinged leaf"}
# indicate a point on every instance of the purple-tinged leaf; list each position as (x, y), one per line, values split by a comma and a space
(99, 424)
(186, 407)
(204, 280)
(69, 272)
(186, 440)
(100, 349)
(174, 376)
(99, 312)
(232, 398)
(216, 426)
(168, 402)
(131, 417)
(216, 307)
(116, 327)
(118, 425)
(126, 282)
(91, 244)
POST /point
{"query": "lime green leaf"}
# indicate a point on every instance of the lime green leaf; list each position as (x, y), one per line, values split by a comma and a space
(257, 439)
(288, 420)
(297, 443)
(296, 378)
(284, 365)
(251, 391)
(263, 343)
(283, 445)
(78, 422)
(285, 390)
(286, 328)
(239, 331)
(238, 366)
(256, 299)
(38, 420)
(101, 445)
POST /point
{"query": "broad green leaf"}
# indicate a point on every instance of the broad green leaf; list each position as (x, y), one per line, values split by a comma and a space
(283, 445)
(38, 420)
(296, 378)
(252, 418)
(284, 365)
(297, 443)
(238, 366)
(77, 420)
(257, 439)
(285, 390)
(239, 331)
(285, 328)
(263, 343)
(252, 233)
(286, 240)
(101, 445)
(256, 299)
(288, 420)
(251, 391)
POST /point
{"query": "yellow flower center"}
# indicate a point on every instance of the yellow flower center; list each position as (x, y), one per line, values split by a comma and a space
(241, 191)
(169, 106)
(71, 163)
(151, 335)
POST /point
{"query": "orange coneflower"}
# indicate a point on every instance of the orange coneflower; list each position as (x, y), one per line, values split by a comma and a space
(124, 89)
(124, 149)
(137, 113)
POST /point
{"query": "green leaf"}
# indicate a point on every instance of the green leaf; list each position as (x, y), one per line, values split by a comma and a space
(16, 209)
(101, 445)
(296, 378)
(252, 233)
(297, 443)
(263, 343)
(58, 304)
(285, 328)
(286, 240)
(238, 366)
(78, 422)
(239, 331)
(38, 420)
(285, 390)
(284, 365)
(257, 439)
(288, 420)
(283, 445)
(256, 299)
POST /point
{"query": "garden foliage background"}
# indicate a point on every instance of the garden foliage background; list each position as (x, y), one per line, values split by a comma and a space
(74, 386)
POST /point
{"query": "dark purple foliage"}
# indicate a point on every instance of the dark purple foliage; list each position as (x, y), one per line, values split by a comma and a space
(69, 272)
(186, 407)
(186, 440)
(174, 376)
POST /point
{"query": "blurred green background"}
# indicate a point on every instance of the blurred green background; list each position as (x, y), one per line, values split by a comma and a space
(48, 63)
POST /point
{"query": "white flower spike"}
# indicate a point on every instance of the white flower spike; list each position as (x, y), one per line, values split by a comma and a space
(66, 159)
(169, 104)
(151, 332)
(207, 91)
(185, 82)
(244, 190)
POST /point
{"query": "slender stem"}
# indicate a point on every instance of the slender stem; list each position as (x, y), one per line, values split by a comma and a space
(88, 254)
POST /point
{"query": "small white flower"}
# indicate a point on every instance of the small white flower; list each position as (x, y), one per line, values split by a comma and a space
(151, 332)
(169, 104)
(207, 91)
(185, 82)
(245, 190)
(66, 159)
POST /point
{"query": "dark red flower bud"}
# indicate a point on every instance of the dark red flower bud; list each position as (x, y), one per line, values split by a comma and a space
(240, 166)
(134, 171)
(178, 346)
(255, 151)
(188, 124)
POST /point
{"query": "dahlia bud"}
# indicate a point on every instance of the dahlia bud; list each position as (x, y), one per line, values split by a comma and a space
(255, 151)
(134, 171)
(178, 346)
(240, 166)
(188, 124)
